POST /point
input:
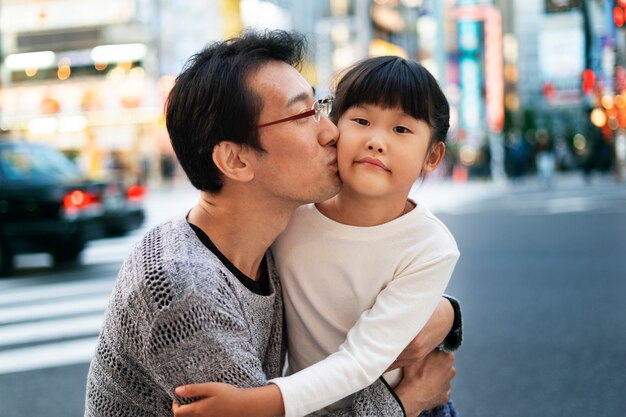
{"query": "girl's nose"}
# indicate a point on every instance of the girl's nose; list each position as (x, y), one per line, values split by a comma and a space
(378, 148)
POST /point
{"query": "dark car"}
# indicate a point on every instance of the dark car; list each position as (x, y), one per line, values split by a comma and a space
(47, 205)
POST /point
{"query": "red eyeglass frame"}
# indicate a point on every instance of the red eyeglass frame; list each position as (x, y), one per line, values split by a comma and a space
(318, 105)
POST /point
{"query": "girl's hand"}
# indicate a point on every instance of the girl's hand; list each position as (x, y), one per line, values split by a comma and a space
(215, 400)
(224, 400)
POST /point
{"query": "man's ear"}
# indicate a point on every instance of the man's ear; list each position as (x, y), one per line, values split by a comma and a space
(234, 161)
(434, 157)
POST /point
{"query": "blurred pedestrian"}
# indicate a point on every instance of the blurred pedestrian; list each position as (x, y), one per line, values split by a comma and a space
(620, 154)
(545, 159)
(519, 154)
(198, 298)
(116, 165)
(363, 271)
(168, 168)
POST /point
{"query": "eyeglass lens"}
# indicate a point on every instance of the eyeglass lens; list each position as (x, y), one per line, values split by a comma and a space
(323, 106)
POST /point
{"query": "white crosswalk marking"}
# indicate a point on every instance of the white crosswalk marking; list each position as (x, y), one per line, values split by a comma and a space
(49, 329)
(58, 290)
(45, 310)
(51, 324)
(48, 355)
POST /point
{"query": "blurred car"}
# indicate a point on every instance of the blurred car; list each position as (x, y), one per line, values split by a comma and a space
(47, 205)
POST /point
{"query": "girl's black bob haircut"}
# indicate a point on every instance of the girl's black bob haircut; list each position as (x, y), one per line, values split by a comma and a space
(394, 82)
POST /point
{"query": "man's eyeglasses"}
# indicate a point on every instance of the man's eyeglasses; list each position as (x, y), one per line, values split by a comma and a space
(320, 107)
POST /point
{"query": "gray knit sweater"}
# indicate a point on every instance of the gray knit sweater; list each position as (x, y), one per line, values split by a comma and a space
(178, 315)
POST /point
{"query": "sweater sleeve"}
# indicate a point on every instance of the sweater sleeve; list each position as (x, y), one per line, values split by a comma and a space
(199, 340)
(377, 400)
(400, 311)
(454, 339)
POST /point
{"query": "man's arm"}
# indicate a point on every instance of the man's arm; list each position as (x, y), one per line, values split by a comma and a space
(425, 384)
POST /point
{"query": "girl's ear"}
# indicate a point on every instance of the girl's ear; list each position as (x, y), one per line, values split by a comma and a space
(233, 160)
(434, 157)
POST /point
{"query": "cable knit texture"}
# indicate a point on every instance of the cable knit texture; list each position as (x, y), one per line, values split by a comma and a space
(177, 315)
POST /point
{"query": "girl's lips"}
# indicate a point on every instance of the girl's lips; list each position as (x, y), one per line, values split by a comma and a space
(373, 161)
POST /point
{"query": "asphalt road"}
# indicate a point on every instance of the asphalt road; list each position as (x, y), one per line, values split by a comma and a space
(542, 291)
(542, 277)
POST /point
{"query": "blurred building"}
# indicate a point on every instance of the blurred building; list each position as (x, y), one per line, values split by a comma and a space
(560, 59)
(90, 76)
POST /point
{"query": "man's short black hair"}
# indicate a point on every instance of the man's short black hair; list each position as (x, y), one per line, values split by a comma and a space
(390, 82)
(211, 101)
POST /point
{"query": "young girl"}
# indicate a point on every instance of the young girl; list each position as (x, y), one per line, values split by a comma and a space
(363, 272)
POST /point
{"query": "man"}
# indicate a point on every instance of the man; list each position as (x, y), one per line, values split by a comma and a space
(198, 299)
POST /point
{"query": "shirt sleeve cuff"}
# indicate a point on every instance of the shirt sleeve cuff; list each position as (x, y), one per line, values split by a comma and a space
(454, 339)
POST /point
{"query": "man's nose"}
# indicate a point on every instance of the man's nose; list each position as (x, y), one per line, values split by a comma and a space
(329, 133)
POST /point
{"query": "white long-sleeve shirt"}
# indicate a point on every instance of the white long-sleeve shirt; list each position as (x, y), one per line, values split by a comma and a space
(358, 294)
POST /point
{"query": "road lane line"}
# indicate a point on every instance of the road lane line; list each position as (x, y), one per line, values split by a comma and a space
(63, 289)
(47, 356)
(53, 309)
(50, 329)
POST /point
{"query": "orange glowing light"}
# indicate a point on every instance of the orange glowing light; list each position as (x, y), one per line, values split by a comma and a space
(598, 117)
(607, 102)
(64, 72)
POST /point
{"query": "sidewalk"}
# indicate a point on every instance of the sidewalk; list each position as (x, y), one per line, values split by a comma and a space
(164, 202)
(445, 194)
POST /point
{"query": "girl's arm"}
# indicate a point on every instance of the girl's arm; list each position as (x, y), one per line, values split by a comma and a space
(425, 384)
(217, 399)
(439, 327)
(374, 342)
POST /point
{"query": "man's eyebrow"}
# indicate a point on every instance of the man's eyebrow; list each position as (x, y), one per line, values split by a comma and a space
(299, 97)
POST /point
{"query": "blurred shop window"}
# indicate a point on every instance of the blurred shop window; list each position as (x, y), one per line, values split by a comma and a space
(50, 105)
(558, 6)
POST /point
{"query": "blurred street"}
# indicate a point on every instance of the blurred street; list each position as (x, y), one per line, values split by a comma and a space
(541, 281)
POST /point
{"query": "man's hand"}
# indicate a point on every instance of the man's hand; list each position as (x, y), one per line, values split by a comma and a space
(426, 384)
(432, 334)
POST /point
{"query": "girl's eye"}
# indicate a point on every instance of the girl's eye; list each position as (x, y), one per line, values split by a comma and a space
(401, 129)
(362, 122)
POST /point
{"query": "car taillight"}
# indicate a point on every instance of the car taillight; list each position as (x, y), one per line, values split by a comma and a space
(136, 193)
(78, 200)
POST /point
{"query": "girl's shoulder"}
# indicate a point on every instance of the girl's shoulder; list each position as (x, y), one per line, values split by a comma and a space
(435, 230)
